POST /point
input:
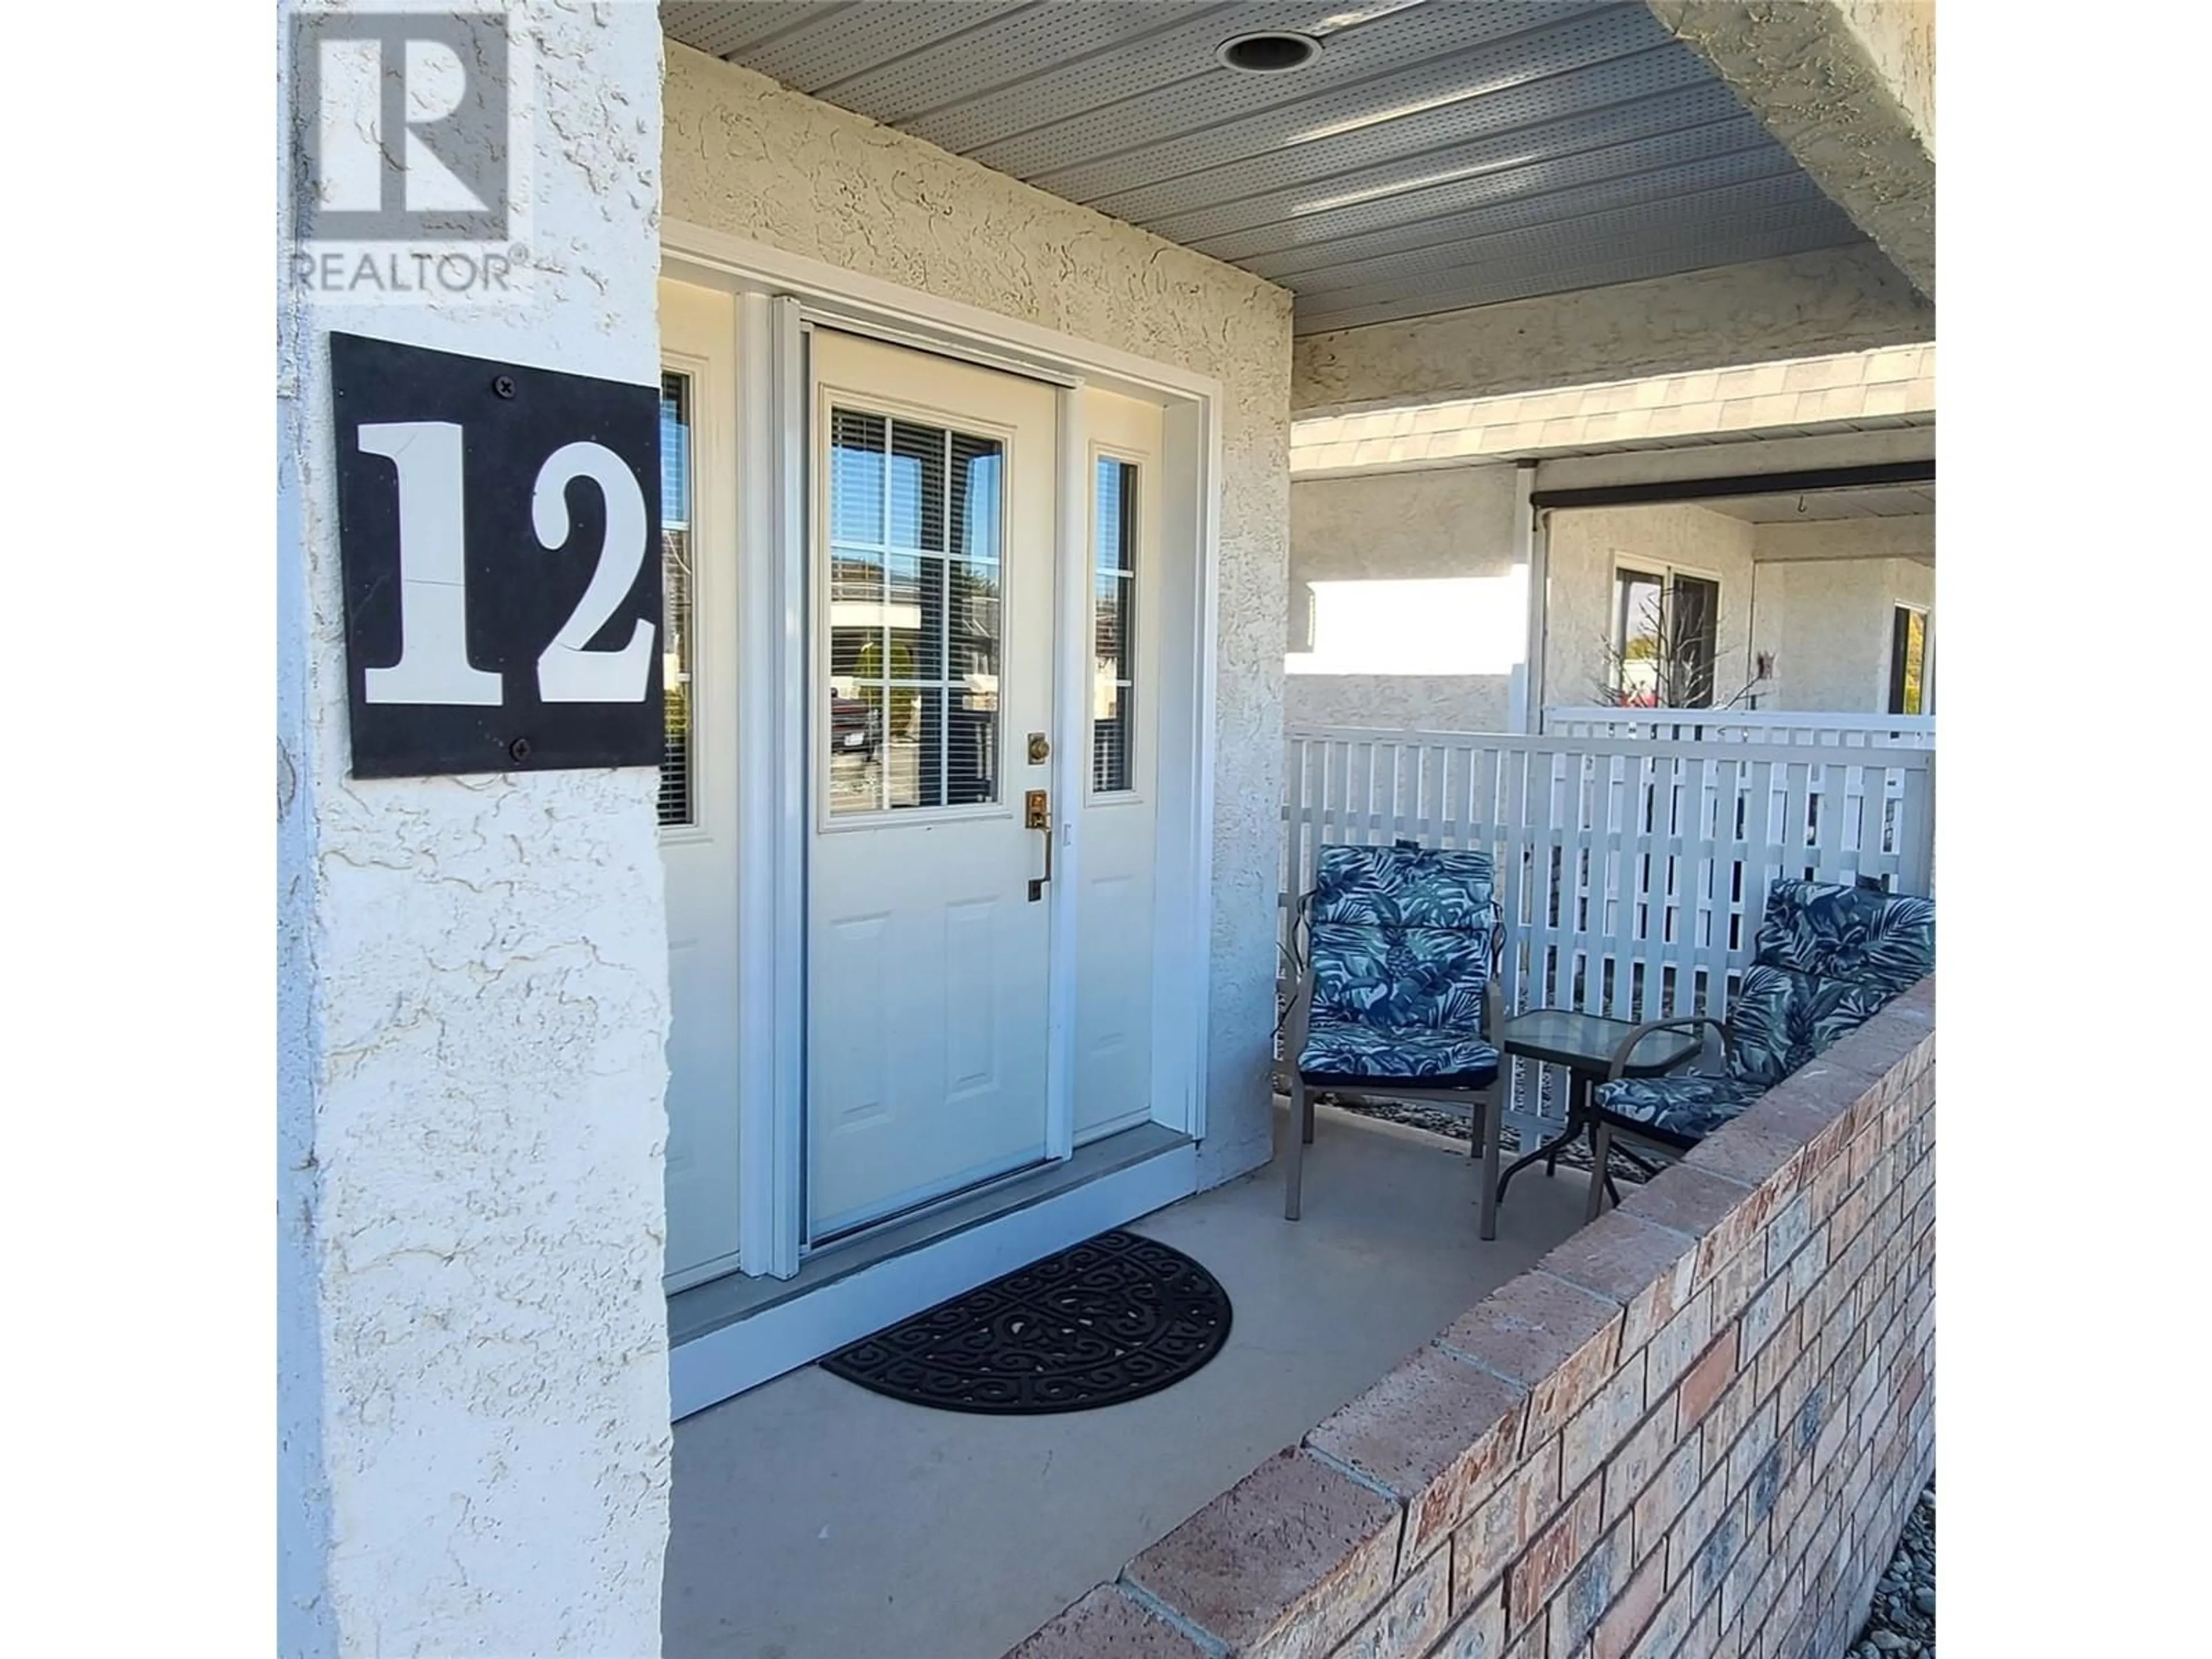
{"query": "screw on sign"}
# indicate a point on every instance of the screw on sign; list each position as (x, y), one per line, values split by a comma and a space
(503, 603)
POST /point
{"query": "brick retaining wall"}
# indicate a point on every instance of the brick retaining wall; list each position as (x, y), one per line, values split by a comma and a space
(1695, 1429)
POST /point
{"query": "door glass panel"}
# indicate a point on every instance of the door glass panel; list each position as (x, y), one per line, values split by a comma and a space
(856, 477)
(1638, 633)
(917, 486)
(677, 770)
(1113, 660)
(1908, 659)
(1696, 630)
(915, 516)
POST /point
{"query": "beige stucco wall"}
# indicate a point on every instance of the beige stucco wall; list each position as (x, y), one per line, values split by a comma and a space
(748, 157)
(1587, 543)
(472, 1372)
(1837, 300)
(1899, 36)
(1827, 622)
(1911, 536)
(1424, 527)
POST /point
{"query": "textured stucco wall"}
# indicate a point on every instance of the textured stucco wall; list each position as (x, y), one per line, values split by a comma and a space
(1585, 543)
(1909, 536)
(1828, 624)
(1838, 300)
(1393, 527)
(473, 1389)
(1899, 36)
(747, 156)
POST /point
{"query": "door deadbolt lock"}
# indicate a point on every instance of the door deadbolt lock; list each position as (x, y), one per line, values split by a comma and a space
(1040, 749)
(1037, 814)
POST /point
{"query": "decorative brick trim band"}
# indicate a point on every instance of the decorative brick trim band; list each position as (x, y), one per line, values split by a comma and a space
(1692, 1431)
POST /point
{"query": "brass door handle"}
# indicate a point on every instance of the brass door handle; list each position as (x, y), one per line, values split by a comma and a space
(1037, 815)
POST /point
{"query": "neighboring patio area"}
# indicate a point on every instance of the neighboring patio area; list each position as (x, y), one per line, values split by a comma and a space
(815, 1520)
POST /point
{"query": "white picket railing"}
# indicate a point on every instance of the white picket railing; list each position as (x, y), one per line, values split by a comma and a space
(1745, 725)
(1631, 870)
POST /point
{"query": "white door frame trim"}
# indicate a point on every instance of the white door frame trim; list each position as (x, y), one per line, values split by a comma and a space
(1070, 686)
(771, 784)
(774, 292)
(870, 305)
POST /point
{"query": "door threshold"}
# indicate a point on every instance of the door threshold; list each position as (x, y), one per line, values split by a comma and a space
(735, 1332)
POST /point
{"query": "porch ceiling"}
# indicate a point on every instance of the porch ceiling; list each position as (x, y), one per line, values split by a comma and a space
(1898, 501)
(1434, 156)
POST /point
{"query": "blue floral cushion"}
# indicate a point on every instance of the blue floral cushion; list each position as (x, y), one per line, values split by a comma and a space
(1772, 1023)
(1401, 937)
(1682, 1109)
(1828, 957)
(1403, 886)
(1420, 977)
(1349, 1054)
(1835, 931)
(1400, 950)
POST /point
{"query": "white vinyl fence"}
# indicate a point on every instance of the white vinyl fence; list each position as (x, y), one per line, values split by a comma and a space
(1745, 725)
(1631, 870)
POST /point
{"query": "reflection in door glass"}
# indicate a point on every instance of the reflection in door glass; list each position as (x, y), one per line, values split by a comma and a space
(676, 587)
(915, 560)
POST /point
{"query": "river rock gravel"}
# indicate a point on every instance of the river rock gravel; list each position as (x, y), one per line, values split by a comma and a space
(1901, 1625)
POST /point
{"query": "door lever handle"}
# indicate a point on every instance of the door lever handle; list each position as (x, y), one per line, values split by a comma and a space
(1037, 815)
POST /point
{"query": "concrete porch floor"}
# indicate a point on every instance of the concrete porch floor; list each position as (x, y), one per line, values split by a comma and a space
(814, 1519)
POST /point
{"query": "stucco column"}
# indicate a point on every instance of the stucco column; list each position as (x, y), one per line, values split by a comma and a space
(1849, 87)
(474, 1435)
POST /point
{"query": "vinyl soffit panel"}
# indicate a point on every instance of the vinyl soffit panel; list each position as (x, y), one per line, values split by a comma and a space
(1327, 312)
(1517, 201)
(1660, 228)
(1493, 130)
(1506, 83)
(821, 58)
(1702, 115)
(1175, 120)
(728, 31)
(1422, 297)
(1402, 172)
(1019, 60)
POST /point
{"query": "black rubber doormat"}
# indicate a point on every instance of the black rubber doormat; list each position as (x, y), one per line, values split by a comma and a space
(1115, 1318)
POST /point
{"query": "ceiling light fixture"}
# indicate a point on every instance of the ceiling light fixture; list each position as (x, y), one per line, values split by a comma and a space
(1272, 51)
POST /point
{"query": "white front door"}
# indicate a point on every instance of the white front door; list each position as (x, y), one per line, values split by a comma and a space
(698, 779)
(933, 515)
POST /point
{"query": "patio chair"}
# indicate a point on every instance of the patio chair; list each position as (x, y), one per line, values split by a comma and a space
(1398, 997)
(1828, 957)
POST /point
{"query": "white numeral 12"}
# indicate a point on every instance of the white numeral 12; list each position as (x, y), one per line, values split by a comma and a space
(567, 672)
(433, 665)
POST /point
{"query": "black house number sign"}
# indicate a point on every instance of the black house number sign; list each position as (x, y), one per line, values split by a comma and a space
(499, 530)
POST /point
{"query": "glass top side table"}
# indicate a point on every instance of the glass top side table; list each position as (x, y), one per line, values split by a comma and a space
(1585, 1045)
